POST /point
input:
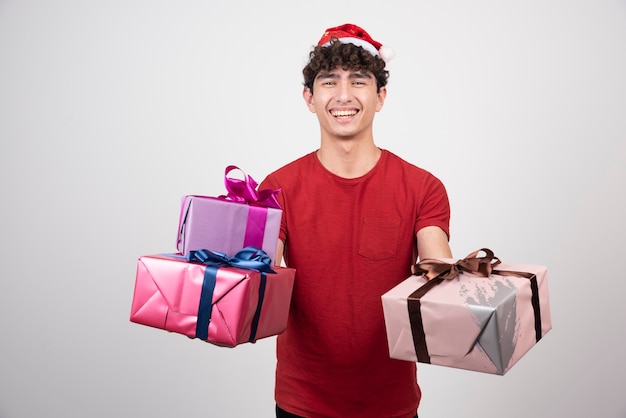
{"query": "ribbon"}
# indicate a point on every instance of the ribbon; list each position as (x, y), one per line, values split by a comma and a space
(250, 258)
(431, 268)
(241, 191)
(246, 190)
(436, 271)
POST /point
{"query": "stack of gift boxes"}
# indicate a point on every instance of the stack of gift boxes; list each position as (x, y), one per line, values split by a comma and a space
(221, 285)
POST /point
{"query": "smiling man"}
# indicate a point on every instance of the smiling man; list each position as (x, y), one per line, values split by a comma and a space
(355, 218)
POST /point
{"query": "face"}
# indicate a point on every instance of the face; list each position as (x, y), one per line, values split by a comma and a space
(345, 102)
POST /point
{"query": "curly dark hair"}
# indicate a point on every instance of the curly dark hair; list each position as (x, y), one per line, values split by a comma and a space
(348, 57)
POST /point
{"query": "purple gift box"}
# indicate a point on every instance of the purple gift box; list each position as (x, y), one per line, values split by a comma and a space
(245, 217)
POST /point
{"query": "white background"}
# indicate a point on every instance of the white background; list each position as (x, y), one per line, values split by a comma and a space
(111, 111)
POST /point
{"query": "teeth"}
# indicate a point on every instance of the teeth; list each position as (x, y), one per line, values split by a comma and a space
(344, 113)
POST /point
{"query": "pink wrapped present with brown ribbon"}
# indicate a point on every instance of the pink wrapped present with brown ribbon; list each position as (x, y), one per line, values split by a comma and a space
(476, 313)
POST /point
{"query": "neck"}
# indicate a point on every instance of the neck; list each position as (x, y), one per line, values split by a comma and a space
(349, 159)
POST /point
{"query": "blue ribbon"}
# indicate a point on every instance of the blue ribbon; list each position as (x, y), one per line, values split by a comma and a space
(206, 302)
(250, 258)
(257, 313)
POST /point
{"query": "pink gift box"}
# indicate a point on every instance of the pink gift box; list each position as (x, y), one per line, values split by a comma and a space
(244, 217)
(243, 306)
(470, 321)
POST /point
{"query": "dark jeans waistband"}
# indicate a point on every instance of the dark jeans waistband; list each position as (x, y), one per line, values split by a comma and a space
(281, 413)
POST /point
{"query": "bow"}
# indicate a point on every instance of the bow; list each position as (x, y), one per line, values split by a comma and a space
(245, 190)
(431, 268)
(250, 258)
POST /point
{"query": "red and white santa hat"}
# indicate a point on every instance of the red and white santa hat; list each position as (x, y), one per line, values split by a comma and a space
(352, 34)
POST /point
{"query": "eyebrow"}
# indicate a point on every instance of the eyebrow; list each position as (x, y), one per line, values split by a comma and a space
(332, 75)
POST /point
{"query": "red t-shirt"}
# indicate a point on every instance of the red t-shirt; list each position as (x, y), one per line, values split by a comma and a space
(350, 240)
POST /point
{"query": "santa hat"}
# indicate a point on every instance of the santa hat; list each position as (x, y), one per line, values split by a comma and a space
(352, 34)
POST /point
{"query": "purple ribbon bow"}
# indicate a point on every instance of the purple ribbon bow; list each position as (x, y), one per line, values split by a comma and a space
(246, 190)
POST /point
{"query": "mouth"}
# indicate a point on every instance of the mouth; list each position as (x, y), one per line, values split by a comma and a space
(343, 114)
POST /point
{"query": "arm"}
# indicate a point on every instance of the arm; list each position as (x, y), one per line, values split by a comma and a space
(279, 253)
(432, 242)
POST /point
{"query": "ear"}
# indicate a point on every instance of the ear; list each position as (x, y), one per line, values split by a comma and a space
(307, 95)
(380, 98)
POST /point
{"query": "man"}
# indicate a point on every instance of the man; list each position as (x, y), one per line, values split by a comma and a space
(355, 217)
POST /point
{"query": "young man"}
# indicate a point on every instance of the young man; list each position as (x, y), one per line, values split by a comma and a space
(355, 217)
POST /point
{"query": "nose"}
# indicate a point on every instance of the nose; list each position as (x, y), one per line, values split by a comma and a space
(344, 92)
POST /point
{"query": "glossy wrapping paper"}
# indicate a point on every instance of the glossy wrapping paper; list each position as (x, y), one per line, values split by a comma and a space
(471, 321)
(244, 217)
(243, 306)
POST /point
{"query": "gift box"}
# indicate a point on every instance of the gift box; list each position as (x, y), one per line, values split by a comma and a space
(468, 314)
(244, 217)
(209, 296)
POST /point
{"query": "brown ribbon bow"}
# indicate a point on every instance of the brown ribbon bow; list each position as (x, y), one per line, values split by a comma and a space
(431, 268)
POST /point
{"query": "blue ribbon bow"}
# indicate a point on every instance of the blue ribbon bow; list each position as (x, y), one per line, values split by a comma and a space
(250, 258)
